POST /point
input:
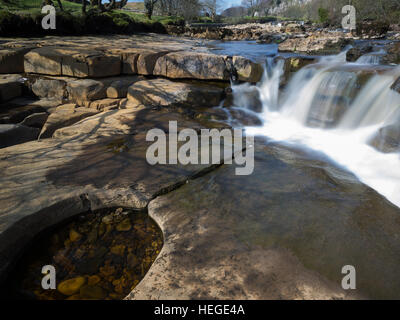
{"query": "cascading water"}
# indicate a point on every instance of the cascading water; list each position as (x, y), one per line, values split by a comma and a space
(336, 108)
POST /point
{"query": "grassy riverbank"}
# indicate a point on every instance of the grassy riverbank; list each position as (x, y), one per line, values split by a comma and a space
(23, 18)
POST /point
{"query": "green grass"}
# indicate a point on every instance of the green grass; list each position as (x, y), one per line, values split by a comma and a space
(33, 7)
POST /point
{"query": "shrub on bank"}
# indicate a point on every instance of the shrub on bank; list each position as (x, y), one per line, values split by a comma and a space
(12, 24)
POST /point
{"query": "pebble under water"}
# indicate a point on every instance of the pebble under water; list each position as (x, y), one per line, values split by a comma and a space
(99, 255)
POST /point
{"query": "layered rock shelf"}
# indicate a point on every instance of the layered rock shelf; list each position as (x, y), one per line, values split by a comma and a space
(98, 61)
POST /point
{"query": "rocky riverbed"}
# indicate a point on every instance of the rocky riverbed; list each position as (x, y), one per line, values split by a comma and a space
(74, 116)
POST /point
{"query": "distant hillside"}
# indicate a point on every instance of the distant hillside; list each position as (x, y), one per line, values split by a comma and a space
(234, 12)
(134, 6)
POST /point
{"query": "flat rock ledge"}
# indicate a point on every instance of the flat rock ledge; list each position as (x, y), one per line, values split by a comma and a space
(107, 58)
(97, 162)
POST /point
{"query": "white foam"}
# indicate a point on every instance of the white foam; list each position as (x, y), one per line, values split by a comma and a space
(347, 145)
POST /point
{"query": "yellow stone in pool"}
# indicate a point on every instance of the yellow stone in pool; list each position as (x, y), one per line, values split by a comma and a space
(93, 280)
(118, 250)
(74, 235)
(124, 225)
(71, 286)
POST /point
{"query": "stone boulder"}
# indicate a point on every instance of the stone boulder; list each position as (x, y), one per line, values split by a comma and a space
(293, 64)
(393, 54)
(387, 139)
(12, 60)
(315, 44)
(165, 93)
(247, 70)
(206, 66)
(12, 134)
(82, 91)
(10, 87)
(192, 65)
(50, 88)
(355, 53)
(396, 85)
(119, 88)
(65, 116)
(80, 63)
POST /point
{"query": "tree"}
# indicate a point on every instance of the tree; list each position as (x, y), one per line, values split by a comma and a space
(211, 7)
(185, 8)
(323, 15)
(149, 6)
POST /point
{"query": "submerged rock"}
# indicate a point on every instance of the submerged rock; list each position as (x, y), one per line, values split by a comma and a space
(71, 286)
(124, 225)
(387, 139)
(92, 292)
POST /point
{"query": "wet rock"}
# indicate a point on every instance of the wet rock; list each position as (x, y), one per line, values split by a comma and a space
(71, 286)
(132, 261)
(125, 225)
(393, 54)
(244, 118)
(396, 85)
(93, 280)
(64, 116)
(247, 97)
(107, 271)
(107, 219)
(92, 292)
(247, 70)
(163, 93)
(36, 120)
(74, 235)
(387, 139)
(12, 134)
(92, 236)
(327, 111)
(10, 87)
(355, 53)
(293, 64)
(118, 249)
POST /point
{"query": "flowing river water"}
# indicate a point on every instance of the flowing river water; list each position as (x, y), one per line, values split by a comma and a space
(333, 107)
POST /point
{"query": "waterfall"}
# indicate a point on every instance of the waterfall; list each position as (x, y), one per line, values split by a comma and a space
(339, 109)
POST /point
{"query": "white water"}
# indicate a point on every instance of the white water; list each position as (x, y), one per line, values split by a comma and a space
(313, 91)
